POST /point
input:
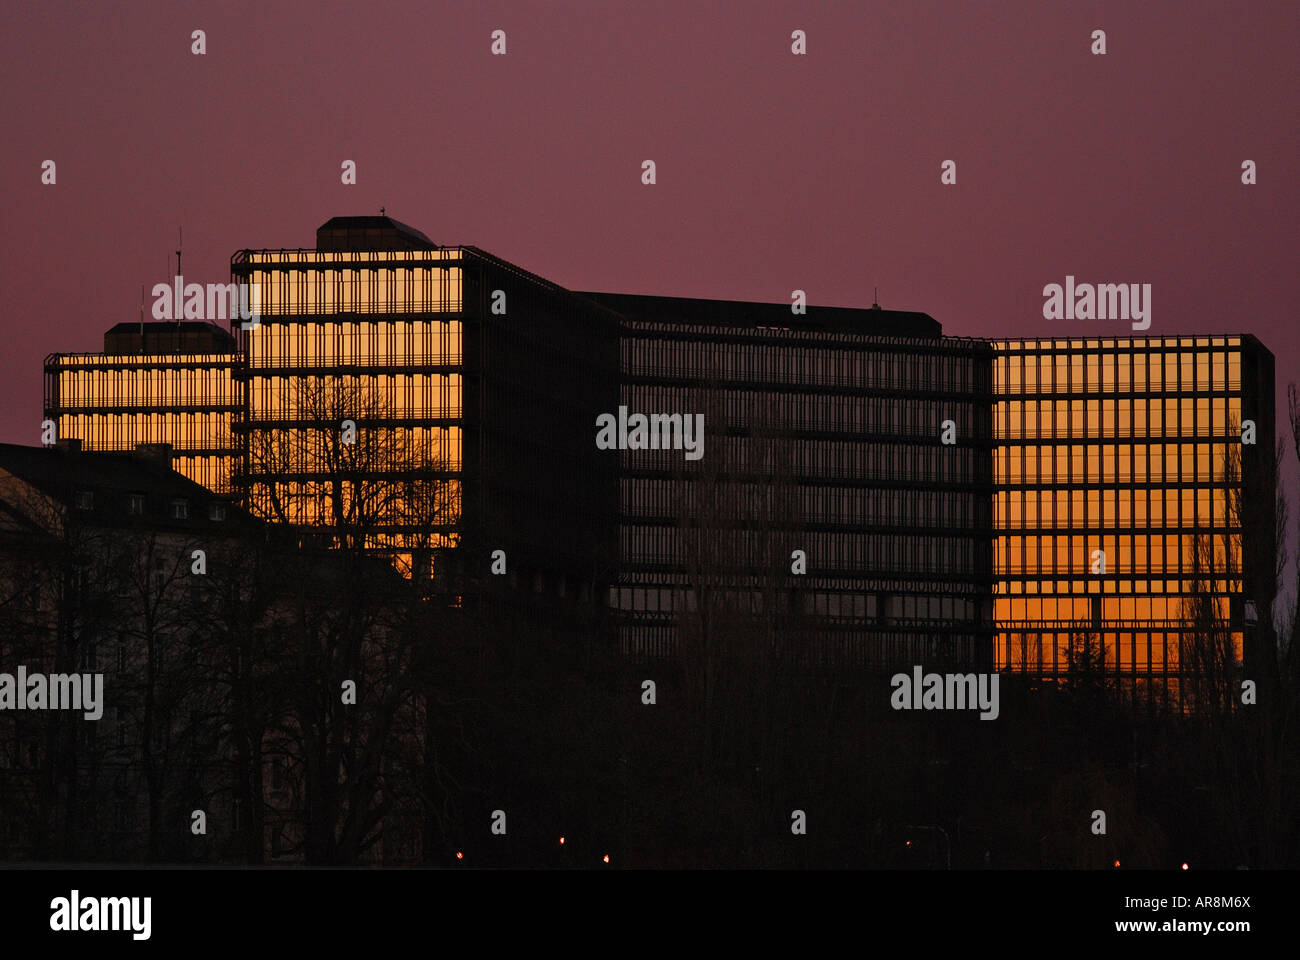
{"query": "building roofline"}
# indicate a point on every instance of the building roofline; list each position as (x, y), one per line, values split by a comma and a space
(745, 313)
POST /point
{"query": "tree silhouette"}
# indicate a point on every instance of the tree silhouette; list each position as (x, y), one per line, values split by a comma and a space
(371, 503)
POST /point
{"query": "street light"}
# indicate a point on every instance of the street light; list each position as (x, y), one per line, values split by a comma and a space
(947, 844)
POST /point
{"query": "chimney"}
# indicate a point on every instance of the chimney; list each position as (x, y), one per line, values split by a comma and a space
(159, 453)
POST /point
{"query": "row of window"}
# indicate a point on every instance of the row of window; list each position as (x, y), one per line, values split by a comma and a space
(1138, 651)
(914, 553)
(1180, 371)
(377, 343)
(1096, 586)
(92, 385)
(407, 396)
(881, 646)
(346, 257)
(857, 605)
(879, 368)
(134, 504)
(1139, 609)
(1143, 344)
(427, 505)
(293, 450)
(415, 289)
(833, 412)
(830, 459)
(1137, 417)
(122, 431)
(1142, 554)
(1203, 462)
(1109, 508)
(857, 506)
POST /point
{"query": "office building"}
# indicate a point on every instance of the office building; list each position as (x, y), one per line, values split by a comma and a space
(156, 382)
(864, 488)
(1119, 470)
(859, 438)
(454, 393)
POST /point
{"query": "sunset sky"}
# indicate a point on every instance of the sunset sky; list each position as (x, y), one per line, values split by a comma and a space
(775, 171)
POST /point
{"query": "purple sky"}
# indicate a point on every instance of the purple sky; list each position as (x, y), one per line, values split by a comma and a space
(775, 171)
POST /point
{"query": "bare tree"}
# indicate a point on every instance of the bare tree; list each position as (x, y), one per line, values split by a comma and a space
(1243, 705)
(737, 514)
(371, 503)
(157, 620)
(62, 595)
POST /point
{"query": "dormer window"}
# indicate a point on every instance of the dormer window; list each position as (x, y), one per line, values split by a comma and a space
(85, 499)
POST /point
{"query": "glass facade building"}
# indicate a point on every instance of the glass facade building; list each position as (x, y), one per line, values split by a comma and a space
(355, 368)
(467, 383)
(880, 493)
(1118, 473)
(155, 383)
(432, 397)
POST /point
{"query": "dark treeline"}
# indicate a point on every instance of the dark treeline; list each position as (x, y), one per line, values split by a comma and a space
(229, 694)
(302, 699)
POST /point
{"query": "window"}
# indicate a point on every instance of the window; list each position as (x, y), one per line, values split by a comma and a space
(85, 499)
(216, 511)
(135, 504)
(180, 509)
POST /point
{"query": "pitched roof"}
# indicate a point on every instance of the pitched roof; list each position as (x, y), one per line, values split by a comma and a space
(59, 471)
(369, 233)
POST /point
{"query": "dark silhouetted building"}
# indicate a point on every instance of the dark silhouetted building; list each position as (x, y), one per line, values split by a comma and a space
(97, 577)
(843, 491)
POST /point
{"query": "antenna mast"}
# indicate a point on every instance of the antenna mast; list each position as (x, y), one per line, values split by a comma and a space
(180, 242)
